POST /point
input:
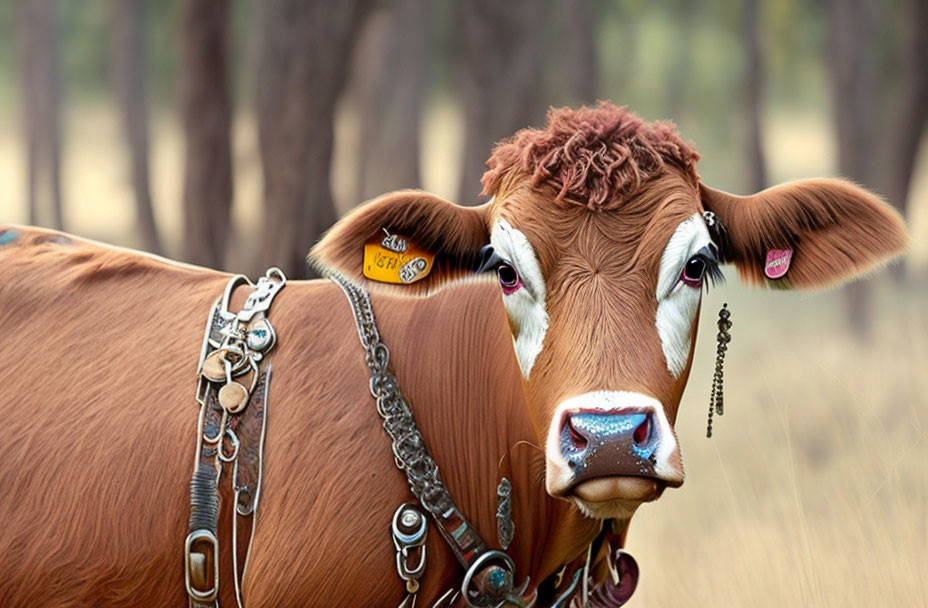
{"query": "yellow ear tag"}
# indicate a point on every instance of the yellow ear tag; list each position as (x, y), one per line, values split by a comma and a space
(393, 259)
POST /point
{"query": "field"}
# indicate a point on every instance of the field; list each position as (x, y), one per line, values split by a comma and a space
(814, 489)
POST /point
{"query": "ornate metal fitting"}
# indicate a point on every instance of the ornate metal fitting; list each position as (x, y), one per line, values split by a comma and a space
(716, 398)
(505, 528)
(394, 243)
(410, 528)
(490, 581)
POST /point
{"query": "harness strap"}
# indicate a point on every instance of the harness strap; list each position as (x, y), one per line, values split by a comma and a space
(489, 574)
(234, 374)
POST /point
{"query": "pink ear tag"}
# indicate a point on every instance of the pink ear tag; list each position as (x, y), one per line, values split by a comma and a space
(777, 263)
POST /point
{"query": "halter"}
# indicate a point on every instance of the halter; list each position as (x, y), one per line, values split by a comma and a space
(231, 429)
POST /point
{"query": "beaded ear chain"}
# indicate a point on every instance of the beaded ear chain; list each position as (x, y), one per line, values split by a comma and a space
(716, 404)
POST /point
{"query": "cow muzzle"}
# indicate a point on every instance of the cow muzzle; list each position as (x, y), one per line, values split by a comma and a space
(612, 445)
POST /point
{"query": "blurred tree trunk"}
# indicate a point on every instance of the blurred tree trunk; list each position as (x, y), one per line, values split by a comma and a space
(853, 83)
(391, 101)
(206, 108)
(910, 114)
(305, 51)
(684, 13)
(501, 78)
(41, 99)
(753, 95)
(580, 57)
(130, 59)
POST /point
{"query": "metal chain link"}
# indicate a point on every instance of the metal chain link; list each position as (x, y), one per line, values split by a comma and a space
(409, 449)
(716, 404)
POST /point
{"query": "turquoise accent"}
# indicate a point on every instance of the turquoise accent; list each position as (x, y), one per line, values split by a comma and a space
(7, 237)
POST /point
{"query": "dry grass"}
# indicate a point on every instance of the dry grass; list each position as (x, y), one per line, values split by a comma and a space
(814, 491)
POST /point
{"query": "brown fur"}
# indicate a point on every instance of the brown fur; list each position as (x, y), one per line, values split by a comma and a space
(837, 230)
(99, 419)
(453, 234)
(595, 157)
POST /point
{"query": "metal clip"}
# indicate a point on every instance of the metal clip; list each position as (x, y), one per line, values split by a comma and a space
(260, 299)
(201, 550)
(410, 527)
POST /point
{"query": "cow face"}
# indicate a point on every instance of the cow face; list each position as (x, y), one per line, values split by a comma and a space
(602, 239)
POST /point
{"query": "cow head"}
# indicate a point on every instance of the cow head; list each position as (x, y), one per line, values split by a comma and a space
(602, 244)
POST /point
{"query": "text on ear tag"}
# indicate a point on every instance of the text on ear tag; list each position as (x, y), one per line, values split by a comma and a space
(777, 262)
(395, 259)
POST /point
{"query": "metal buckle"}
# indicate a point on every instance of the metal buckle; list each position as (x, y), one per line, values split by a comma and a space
(200, 548)
(501, 582)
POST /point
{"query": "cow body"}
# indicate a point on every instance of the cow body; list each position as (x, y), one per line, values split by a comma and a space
(99, 424)
(564, 374)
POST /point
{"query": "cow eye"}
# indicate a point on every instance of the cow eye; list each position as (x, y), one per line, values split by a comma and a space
(694, 271)
(508, 278)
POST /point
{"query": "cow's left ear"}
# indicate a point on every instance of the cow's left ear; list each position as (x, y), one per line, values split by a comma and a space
(807, 234)
(433, 239)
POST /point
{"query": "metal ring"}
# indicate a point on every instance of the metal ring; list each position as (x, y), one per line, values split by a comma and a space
(478, 565)
(274, 270)
(235, 446)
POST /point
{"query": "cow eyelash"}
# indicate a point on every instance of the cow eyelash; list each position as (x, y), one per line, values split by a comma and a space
(711, 269)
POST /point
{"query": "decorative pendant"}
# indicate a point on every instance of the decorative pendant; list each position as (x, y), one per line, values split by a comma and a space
(233, 397)
(260, 335)
(214, 368)
(505, 528)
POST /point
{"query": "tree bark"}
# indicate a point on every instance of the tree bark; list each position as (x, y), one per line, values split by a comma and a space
(910, 115)
(206, 109)
(130, 59)
(41, 98)
(753, 95)
(305, 51)
(580, 57)
(853, 83)
(684, 12)
(390, 105)
(501, 78)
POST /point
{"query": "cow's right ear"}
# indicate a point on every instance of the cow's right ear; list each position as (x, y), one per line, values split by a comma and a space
(448, 236)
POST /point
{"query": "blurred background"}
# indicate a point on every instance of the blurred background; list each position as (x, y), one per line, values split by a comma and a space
(232, 133)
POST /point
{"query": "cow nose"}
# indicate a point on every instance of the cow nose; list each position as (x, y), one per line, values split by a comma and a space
(602, 444)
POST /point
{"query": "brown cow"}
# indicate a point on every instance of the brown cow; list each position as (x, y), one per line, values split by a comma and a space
(581, 350)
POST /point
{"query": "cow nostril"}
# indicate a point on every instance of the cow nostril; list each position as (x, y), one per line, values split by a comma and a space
(642, 432)
(578, 439)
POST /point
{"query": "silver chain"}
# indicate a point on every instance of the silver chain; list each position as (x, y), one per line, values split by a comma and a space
(409, 449)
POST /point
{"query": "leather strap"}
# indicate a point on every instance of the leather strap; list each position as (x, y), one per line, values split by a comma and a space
(233, 379)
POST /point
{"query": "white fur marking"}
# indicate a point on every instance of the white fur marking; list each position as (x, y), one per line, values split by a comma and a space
(525, 306)
(678, 302)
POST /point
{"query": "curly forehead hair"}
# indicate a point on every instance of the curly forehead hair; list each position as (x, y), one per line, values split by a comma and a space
(596, 157)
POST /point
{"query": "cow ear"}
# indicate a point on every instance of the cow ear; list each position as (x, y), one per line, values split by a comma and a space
(446, 236)
(807, 234)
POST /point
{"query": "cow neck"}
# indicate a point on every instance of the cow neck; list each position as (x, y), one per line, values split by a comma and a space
(453, 356)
